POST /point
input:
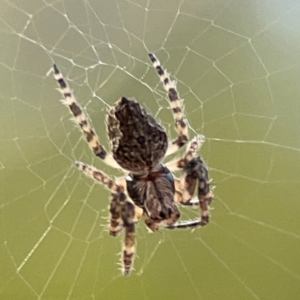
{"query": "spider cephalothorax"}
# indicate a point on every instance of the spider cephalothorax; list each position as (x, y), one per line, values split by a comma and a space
(139, 145)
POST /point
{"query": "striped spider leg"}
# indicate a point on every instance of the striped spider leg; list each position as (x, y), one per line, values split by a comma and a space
(175, 102)
(124, 214)
(194, 171)
(193, 167)
(80, 118)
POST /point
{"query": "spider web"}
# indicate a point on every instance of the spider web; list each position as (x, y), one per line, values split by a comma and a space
(237, 67)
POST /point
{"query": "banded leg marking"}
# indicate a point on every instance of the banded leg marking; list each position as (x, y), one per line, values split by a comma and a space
(170, 87)
(99, 176)
(122, 211)
(194, 145)
(81, 120)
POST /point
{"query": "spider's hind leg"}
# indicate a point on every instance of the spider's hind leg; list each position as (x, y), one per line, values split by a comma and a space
(124, 210)
(116, 224)
(128, 214)
(124, 214)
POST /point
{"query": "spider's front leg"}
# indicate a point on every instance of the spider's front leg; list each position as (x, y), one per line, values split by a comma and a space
(81, 119)
(175, 102)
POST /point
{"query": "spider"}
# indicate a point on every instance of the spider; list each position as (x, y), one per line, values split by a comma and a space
(139, 145)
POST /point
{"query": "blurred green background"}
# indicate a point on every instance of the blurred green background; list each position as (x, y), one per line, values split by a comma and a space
(237, 68)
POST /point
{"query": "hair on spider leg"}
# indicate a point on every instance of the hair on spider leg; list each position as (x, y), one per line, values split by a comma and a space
(186, 224)
(199, 138)
(194, 203)
(51, 70)
(63, 102)
(121, 267)
(104, 225)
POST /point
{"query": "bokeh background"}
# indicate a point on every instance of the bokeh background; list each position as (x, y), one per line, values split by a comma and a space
(236, 63)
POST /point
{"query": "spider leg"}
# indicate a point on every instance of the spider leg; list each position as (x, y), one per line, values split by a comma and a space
(116, 224)
(124, 214)
(170, 87)
(178, 196)
(184, 224)
(197, 171)
(194, 171)
(194, 145)
(100, 177)
(181, 196)
(128, 214)
(81, 120)
(205, 196)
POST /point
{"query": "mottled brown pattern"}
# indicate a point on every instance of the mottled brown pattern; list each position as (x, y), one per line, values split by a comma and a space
(139, 142)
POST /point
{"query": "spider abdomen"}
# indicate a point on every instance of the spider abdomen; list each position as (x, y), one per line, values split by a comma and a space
(138, 141)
